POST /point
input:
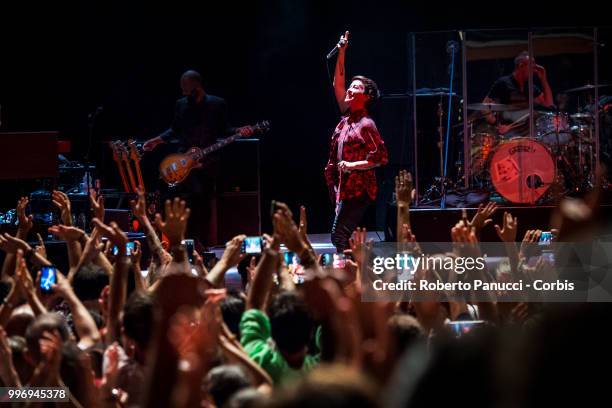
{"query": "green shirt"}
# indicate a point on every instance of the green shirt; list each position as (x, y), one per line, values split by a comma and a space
(255, 337)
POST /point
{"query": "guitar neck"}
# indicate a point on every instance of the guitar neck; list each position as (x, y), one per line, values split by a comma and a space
(212, 148)
(198, 153)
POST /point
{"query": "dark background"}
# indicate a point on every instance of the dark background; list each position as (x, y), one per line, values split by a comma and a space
(59, 61)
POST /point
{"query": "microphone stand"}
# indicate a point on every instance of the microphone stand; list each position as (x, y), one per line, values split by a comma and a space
(91, 125)
(451, 48)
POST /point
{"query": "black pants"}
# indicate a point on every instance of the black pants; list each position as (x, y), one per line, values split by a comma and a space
(348, 216)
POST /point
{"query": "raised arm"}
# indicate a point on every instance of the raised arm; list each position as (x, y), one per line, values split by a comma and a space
(72, 236)
(118, 282)
(174, 226)
(139, 209)
(507, 234)
(11, 244)
(62, 202)
(25, 225)
(84, 324)
(546, 98)
(264, 272)
(23, 279)
(340, 73)
(404, 194)
(92, 252)
(231, 257)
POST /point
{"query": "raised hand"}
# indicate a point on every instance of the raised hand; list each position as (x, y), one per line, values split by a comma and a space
(464, 238)
(62, 288)
(540, 71)
(232, 254)
(25, 221)
(139, 206)
(114, 234)
(508, 232)
(404, 190)
(67, 233)
(285, 228)
(92, 247)
(152, 144)
(62, 202)
(272, 242)
(199, 338)
(529, 240)
(482, 218)
(343, 42)
(357, 243)
(111, 372)
(40, 248)
(24, 279)
(97, 205)
(198, 264)
(175, 223)
(136, 255)
(10, 244)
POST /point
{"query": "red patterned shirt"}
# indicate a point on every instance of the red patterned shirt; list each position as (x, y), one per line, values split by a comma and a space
(355, 139)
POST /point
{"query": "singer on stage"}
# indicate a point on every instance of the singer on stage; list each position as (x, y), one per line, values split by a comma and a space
(356, 148)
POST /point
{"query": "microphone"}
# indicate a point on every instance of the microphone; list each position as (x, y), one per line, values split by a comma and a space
(334, 50)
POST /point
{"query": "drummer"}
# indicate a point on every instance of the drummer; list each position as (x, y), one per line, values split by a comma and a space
(512, 90)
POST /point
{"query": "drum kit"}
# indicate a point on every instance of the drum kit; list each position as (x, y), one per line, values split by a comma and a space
(521, 168)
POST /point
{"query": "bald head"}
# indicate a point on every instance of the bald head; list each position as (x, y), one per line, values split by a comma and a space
(191, 83)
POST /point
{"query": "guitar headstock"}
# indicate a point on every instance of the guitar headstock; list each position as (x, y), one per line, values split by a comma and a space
(261, 127)
(134, 151)
(118, 152)
(122, 149)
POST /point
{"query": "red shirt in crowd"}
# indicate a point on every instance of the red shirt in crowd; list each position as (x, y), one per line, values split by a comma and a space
(356, 138)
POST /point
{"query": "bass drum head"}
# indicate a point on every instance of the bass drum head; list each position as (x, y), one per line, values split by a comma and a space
(522, 170)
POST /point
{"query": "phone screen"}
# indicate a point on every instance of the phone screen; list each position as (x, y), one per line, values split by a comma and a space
(48, 277)
(129, 248)
(326, 260)
(189, 246)
(462, 327)
(252, 245)
(292, 260)
(545, 238)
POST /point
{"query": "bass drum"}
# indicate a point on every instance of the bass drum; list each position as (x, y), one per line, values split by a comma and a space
(522, 170)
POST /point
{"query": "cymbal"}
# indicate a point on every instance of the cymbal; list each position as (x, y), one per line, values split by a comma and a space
(434, 92)
(437, 94)
(495, 107)
(587, 87)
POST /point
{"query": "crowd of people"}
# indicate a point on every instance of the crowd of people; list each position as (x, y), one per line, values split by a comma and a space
(175, 337)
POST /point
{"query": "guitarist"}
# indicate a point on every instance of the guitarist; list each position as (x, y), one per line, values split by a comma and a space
(199, 119)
